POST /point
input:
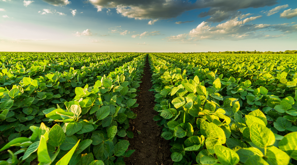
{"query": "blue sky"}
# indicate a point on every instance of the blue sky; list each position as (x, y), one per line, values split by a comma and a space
(151, 25)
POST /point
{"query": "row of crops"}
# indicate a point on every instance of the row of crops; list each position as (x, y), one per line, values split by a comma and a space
(227, 109)
(70, 108)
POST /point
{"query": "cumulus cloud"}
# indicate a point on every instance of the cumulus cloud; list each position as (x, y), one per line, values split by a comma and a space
(290, 13)
(27, 3)
(219, 10)
(60, 13)
(86, 32)
(145, 34)
(5, 16)
(244, 15)
(182, 22)
(276, 9)
(124, 32)
(234, 29)
(45, 11)
(151, 22)
(57, 2)
(1, 9)
(73, 12)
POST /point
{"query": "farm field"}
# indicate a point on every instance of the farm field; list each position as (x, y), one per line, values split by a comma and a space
(148, 108)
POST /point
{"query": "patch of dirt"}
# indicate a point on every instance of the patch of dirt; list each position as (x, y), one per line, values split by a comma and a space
(151, 148)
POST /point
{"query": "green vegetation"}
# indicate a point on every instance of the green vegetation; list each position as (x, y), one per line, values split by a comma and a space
(215, 108)
(227, 109)
(66, 115)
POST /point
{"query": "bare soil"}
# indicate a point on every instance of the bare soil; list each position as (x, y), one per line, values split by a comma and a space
(151, 148)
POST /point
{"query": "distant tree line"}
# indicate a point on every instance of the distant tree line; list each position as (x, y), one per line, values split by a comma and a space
(258, 52)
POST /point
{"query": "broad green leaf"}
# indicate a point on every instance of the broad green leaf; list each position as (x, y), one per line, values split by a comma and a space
(176, 157)
(261, 136)
(42, 152)
(73, 127)
(276, 156)
(131, 102)
(193, 148)
(129, 153)
(31, 149)
(289, 145)
(189, 87)
(217, 84)
(97, 162)
(281, 124)
(215, 132)
(179, 132)
(263, 90)
(245, 153)
(112, 131)
(250, 120)
(66, 158)
(256, 160)
(201, 90)
(121, 147)
(259, 114)
(69, 142)
(83, 145)
(103, 112)
(226, 156)
(178, 102)
(56, 136)
(167, 135)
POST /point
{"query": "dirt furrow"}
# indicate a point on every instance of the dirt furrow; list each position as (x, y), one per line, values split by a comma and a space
(151, 148)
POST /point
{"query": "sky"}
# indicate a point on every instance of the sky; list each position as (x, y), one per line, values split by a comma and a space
(148, 25)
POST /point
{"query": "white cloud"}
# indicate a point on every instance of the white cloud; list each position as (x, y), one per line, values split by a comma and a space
(251, 19)
(276, 9)
(290, 13)
(182, 22)
(144, 34)
(245, 15)
(5, 16)
(58, 2)
(151, 22)
(1, 9)
(86, 32)
(60, 13)
(73, 12)
(45, 11)
(180, 37)
(124, 32)
(27, 3)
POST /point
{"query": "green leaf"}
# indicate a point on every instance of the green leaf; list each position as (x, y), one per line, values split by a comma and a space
(42, 152)
(129, 153)
(107, 83)
(201, 90)
(179, 132)
(215, 132)
(176, 157)
(226, 156)
(263, 90)
(281, 124)
(56, 136)
(79, 91)
(259, 114)
(103, 112)
(189, 87)
(30, 150)
(288, 144)
(13, 142)
(167, 135)
(14, 92)
(217, 84)
(276, 156)
(261, 136)
(121, 147)
(111, 132)
(193, 148)
(250, 120)
(66, 158)
(131, 102)
(178, 102)
(69, 142)
(245, 153)
(72, 128)
(97, 162)
(83, 145)
(256, 160)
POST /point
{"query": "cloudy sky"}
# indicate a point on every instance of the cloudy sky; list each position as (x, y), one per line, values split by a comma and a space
(148, 25)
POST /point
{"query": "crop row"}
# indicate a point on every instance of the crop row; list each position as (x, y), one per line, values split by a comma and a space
(89, 126)
(212, 119)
